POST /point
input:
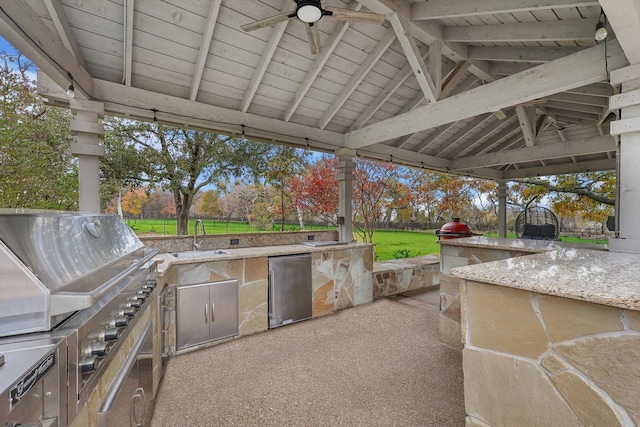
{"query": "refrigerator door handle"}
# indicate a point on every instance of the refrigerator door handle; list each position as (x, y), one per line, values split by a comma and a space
(213, 310)
(206, 313)
(272, 291)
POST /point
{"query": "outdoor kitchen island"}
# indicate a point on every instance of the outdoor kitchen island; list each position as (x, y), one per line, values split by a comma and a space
(340, 278)
(552, 339)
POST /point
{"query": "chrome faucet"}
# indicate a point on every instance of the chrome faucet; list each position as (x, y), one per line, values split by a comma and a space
(196, 245)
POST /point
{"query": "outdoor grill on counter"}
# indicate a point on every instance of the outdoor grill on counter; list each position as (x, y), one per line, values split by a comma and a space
(72, 287)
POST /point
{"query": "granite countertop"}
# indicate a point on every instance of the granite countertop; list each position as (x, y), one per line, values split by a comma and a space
(523, 245)
(207, 255)
(595, 276)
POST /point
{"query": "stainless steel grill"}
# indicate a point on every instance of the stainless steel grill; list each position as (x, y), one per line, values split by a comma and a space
(83, 277)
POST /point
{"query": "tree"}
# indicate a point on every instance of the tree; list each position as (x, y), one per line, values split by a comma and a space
(133, 201)
(184, 161)
(37, 169)
(207, 205)
(371, 187)
(281, 168)
(591, 194)
(314, 190)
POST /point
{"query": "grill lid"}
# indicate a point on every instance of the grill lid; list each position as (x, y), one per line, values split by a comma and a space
(58, 263)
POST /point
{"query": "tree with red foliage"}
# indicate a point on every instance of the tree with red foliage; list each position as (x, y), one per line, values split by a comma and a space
(315, 190)
(372, 186)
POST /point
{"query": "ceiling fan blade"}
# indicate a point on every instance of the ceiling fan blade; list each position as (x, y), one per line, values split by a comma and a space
(281, 17)
(355, 16)
(314, 39)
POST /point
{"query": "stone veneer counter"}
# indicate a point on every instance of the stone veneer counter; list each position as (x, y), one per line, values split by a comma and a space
(600, 277)
(552, 339)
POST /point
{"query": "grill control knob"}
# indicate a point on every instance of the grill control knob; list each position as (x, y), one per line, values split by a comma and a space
(98, 349)
(134, 302)
(140, 295)
(146, 289)
(119, 321)
(109, 334)
(88, 364)
(127, 311)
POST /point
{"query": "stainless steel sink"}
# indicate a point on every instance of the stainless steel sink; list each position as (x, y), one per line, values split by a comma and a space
(197, 254)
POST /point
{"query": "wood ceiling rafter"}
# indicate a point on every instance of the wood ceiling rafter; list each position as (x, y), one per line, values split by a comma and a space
(389, 89)
(64, 30)
(127, 42)
(439, 9)
(357, 77)
(566, 30)
(205, 45)
(265, 59)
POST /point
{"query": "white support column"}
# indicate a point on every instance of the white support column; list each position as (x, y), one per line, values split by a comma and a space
(502, 208)
(345, 184)
(628, 173)
(88, 150)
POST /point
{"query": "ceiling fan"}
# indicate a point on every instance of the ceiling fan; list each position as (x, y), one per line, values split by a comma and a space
(310, 12)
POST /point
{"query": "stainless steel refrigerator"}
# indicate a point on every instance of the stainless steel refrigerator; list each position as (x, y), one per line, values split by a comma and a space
(290, 291)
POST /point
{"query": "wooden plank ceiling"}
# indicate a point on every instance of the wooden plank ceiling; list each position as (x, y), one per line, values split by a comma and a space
(498, 89)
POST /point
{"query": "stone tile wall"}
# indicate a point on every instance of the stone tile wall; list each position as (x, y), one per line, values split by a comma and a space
(532, 359)
(459, 256)
(407, 274)
(223, 241)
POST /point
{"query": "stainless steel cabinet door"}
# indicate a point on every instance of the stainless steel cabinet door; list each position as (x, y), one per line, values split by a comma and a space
(192, 316)
(206, 312)
(223, 300)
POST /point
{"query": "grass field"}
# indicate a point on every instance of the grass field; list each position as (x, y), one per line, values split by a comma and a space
(389, 244)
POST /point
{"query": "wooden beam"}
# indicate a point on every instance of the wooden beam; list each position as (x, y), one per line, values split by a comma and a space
(521, 53)
(263, 64)
(64, 30)
(526, 117)
(589, 166)
(435, 134)
(509, 68)
(357, 77)
(407, 156)
(574, 98)
(411, 51)
(435, 65)
(138, 103)
(624, 18)
(455, 78)
(499, 126)
(205, 44)
(581, 147)
(575, 70)
(319, 63)
(428, 32)
(439, 9)
(24, 29)
(566, 30)
(561, 105)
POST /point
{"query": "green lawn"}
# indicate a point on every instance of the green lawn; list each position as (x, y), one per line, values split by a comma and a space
(389, 244)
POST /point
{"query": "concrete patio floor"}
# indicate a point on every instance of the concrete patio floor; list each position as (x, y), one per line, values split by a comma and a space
(378, 364)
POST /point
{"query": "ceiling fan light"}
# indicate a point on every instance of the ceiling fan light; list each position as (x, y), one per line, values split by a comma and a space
(309, 11)
(601, 32)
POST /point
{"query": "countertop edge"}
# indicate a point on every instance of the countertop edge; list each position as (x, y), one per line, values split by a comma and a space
(599, 277)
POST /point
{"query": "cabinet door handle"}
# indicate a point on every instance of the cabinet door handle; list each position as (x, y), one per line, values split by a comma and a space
(206, 313)
(133, 416)
(213, 312)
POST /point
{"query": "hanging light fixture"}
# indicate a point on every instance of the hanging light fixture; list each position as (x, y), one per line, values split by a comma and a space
(71, 91)
(601, 27)
(309, 11)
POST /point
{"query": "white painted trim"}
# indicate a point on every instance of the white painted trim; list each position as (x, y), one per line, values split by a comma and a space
(439, 9)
